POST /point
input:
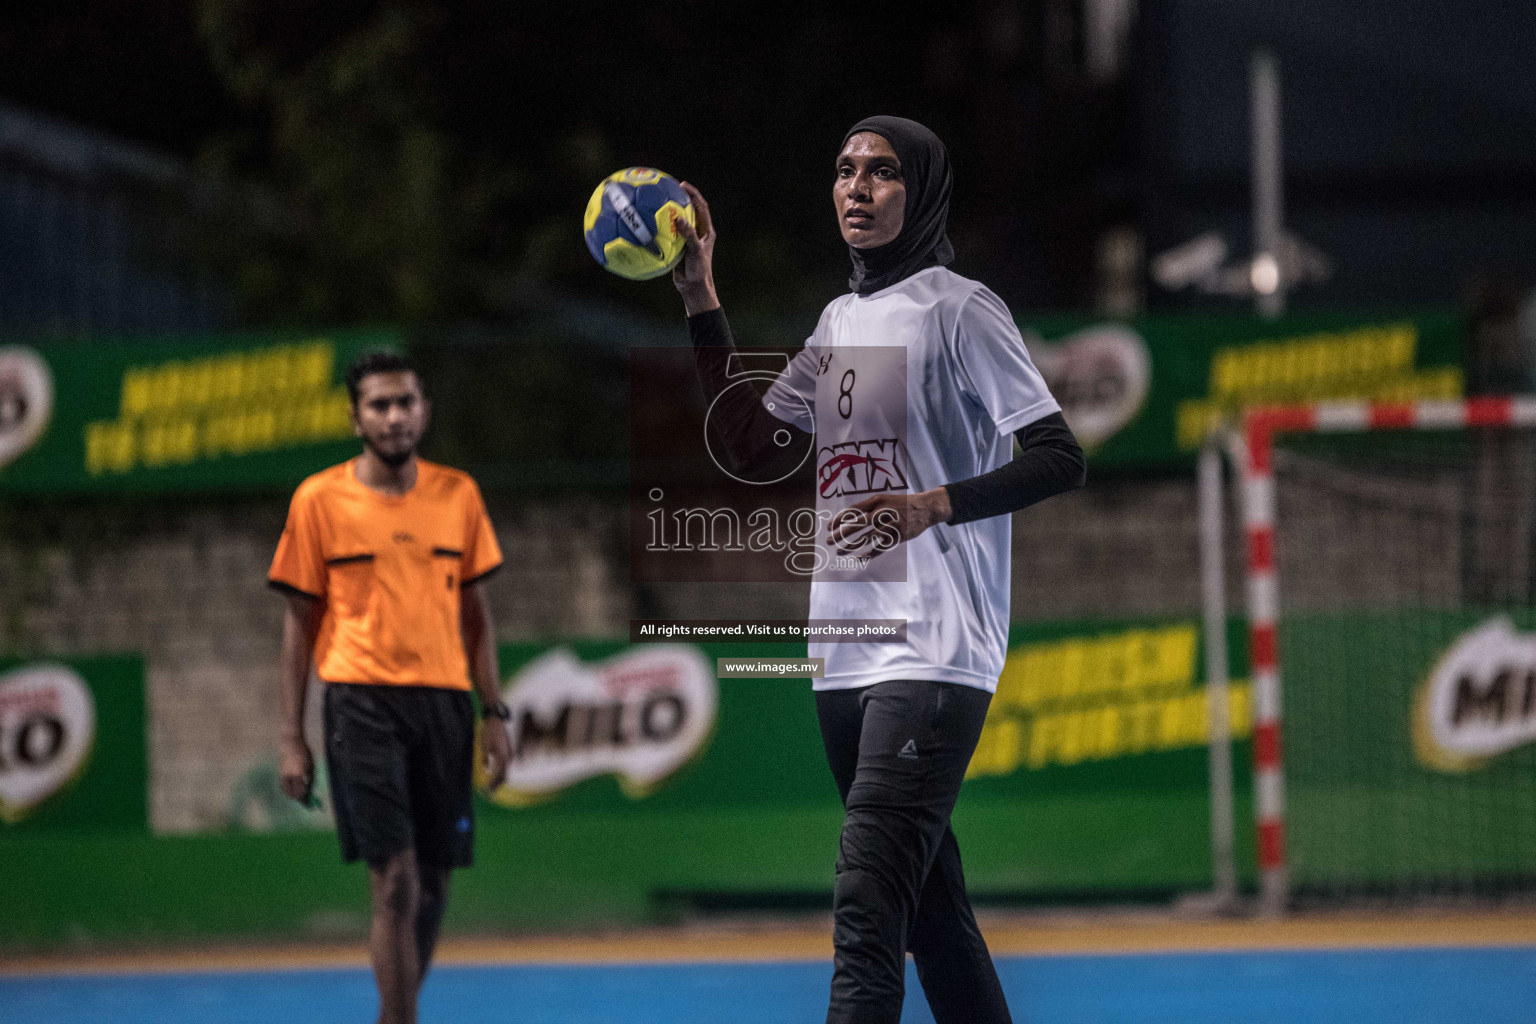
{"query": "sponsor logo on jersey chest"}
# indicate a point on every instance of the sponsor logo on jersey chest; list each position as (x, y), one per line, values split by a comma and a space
(861, 467)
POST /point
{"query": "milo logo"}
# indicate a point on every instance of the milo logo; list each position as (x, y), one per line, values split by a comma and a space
(26, 401)
(1479, 700)
(47, 729)
(1100, 376)
(640, 716)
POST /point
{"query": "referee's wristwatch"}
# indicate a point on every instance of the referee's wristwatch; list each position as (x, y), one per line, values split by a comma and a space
(496, 710)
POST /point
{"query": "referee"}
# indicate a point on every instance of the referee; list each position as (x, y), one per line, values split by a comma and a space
(382, 560)
(900, 721)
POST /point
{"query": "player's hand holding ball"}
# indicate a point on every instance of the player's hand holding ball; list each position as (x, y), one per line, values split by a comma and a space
(632, 220)
(695, 273)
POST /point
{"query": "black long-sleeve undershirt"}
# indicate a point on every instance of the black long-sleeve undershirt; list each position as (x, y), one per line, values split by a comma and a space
(1050, 460)
(738, 416)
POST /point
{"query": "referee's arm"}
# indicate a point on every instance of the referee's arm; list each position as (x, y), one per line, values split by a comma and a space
(479, 634)
(301, 624)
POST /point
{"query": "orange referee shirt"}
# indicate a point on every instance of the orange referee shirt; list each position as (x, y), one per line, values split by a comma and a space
(389, 568)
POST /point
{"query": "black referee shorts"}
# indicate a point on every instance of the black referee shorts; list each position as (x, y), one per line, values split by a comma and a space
(400, 760)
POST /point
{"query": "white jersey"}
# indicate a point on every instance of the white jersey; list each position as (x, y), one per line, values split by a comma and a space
(942, 410)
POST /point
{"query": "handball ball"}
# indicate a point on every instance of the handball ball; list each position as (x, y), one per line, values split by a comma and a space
(629, 222)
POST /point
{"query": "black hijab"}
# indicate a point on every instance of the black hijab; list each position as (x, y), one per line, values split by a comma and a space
(922, 242)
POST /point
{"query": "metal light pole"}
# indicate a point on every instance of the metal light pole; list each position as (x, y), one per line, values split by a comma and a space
(1269, 283)
(1214, 600)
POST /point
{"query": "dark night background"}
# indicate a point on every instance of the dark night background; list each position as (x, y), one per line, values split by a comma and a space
(187, 187)
(415, 162)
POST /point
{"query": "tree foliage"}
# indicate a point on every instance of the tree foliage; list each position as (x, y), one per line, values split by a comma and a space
(375, 204)
(426, 160)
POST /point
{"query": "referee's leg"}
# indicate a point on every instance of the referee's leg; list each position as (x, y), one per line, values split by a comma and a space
(915, 739)
(365, 742)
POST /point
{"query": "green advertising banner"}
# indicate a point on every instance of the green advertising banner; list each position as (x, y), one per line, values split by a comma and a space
(647, 787)
(227, 413)
(1144, 393)
(1090, 778)
(1410, 749)
(72, 745)
(1071, 697)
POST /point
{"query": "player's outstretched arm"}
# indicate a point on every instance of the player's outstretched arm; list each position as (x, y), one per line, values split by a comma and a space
(301, 623)
(745, 427)
(694, 274)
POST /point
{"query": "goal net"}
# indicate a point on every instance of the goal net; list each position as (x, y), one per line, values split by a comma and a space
(1391, 570)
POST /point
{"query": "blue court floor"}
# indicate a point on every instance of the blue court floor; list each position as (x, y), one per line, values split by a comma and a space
(1371, 986)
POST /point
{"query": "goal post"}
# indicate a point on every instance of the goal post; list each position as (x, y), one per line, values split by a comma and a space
(1396, 759)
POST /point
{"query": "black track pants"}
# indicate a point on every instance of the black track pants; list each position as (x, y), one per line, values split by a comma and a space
(899, 751)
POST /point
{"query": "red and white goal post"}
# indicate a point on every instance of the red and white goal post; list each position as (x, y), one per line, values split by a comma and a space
(1254, 447)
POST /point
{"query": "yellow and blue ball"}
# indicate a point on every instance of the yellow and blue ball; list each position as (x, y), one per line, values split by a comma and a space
(629, 222)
